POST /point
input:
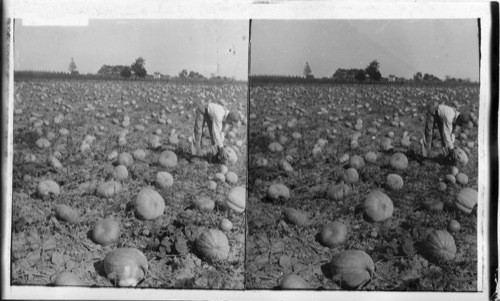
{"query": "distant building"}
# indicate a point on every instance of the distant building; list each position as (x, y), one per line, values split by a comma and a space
(157, 75)
(392, 78)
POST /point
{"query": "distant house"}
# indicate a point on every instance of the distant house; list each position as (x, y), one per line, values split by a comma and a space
(392, 78)
(157, 75)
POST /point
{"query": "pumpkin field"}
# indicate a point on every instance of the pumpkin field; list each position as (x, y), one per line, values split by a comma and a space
(340, 198)
(106, 193)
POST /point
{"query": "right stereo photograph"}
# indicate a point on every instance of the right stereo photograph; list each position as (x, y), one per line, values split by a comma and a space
(363, 155)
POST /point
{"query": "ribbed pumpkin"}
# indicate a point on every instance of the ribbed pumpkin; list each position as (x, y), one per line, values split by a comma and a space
(466, 200)
(371, 157)
(67, 279)
(357, 162)
(275, 147)
(204, 203)
(352, 268)
(125, 266)
(394, 181)
(294, 216)
(236, 199)
(67, 213)
(168, 159)
(440, 246)
(46, 188)
(120, 173)
(164, 179)
(213, 245)
(351, 175)
(378, 206)
(108, 189)
(398, 161)
(106, 231)
(294, 282)
(338, 192)
(125, 159)
(229, 156)
(149, 204)
(462, 178)
(460, 156)
(333, 234)
(277, 191)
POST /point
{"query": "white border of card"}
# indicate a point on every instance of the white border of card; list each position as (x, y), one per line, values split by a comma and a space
(78, 12)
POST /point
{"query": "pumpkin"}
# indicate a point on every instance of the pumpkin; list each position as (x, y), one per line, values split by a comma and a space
(277, 191)
(462, 178)
(398, 161)
(460, 156)
(220, 177)
(236, 199)
(344, 158)
(47, 188)
(453, 226)
(440, 246)
(228, 156)
(125, 266)
(293, 281)
(378, 206)
(125, 159)
(149, 204)
(442, 186)
(333, 234)
(140, 155)
(231, 177)
(394, 181)
(338, 192)
(120, 173)
(351, 175)
(67, 279)
(164, 180)
(434, 205)
(454, 170)
(213, 245)
(371, 157)
(466, 200)
(108, 189)
(357, 162)
(212, 185)
(352, 268)
(204, 204)
(106, 231)
(67, 214)
(261, 162)
(294, 217)
(54, 162)
(386, 144)
(284, 165)
(223, 169)
(225, 225)
(450, 178)
(275, 147)
(168, 159)
(42, 143)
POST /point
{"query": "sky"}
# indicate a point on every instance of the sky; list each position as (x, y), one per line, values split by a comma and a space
(168, 46)
(402, 47)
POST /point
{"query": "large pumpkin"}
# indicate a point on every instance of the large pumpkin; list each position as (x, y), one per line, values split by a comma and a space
(440, 246)
(338, 192)
(228, 156)
(213, 245)
(149, 204)
(168, 159)
(466, 200)
(399, 161)
(125, 266)
(294, 281)
(352, 268)
(460, 156)
(378, 206)
(357, 162)
(277, 191)
(333, 234)
(394, 181)
(236, 199)
(351, 175)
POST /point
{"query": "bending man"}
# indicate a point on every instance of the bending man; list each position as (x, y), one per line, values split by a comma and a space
(446, 119)
(217, 117)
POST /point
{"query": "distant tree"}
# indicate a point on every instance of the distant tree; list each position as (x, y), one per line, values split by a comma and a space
(126, 72)
(372, 70)
(417, 77)
(307, 71)
(138, 67)
(183, 73)
(360, 75)
(72, 67)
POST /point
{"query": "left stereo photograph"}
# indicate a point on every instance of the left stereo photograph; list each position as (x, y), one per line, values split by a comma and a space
(130, 154)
